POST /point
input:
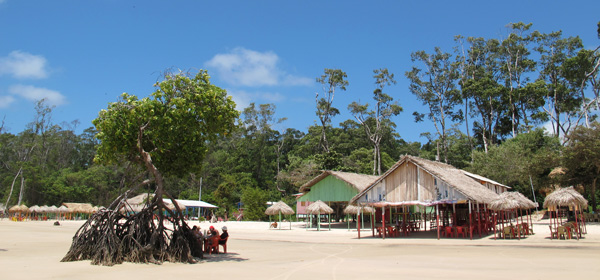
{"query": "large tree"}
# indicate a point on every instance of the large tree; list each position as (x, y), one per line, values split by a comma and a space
(434, 83)
(166, 135)
(375, 121)
(563, 101)
(331, 80)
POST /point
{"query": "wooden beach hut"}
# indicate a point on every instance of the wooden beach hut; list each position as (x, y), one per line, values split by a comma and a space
(459, 200)
(335, 188)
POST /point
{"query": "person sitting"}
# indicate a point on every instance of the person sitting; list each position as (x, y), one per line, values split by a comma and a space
(197, 251)
(224, 235)
(212, 237)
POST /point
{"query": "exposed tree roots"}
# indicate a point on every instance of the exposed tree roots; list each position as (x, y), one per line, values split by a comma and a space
(110, 237)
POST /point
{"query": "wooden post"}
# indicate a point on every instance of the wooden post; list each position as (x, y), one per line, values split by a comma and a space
(383, 221)
(437, 220)
(470, 222)
(478, 220)
(358, 222)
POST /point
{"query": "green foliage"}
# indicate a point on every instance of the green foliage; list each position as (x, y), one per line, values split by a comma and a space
(175, 123)
(512, 163)
(582, 160)
(255, 201)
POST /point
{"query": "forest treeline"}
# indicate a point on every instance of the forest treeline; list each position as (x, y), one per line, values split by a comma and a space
(486, 97)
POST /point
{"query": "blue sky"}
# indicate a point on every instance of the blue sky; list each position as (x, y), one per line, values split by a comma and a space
(81, 55)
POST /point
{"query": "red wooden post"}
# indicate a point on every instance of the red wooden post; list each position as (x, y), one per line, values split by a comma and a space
(437, 220)
(383, 221)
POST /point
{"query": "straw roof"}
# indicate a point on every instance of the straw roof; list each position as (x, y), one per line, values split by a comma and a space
(357, 181)
(35, 208)
(319, 207)
(524, 202)
(449, 174)
(77, 207)
(503, 203)
(556, 172)
(565, 197)
(353, 209)
(140, 199)
(510, 201)
(279, 207)
(63, 209)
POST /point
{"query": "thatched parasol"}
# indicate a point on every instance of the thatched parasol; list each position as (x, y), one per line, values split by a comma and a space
(504, 203)
(524, 202)
(571, 198)
(556, 172)
(280, 208)
(565, 197)
(14, 209)
(317, 208)
(34, 209)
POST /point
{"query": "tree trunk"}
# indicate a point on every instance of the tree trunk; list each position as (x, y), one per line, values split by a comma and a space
(593, 195)
(12, 187)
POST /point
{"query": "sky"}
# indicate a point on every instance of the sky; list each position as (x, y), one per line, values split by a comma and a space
(81, 55)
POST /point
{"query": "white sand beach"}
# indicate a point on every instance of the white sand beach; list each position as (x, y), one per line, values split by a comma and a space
(33, 250)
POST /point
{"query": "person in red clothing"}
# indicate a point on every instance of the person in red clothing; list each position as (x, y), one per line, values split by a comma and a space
(212, 237)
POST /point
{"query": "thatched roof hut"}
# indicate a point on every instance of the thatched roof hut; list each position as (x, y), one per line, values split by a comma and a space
(35, 209)
(279, 207)
(355, 180)
(319, 207)
(504, 203)
(565, 197)
(78, 207)
(524, 202)
(413, 180)
(354, 209)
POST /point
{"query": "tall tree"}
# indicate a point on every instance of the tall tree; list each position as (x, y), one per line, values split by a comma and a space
(375, 120)
(166, 134)
(481, 88)
(435, 86)
(516, 64)
(331, 80)
(562, 100)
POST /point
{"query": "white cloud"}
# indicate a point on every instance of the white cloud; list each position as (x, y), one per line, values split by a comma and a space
(23, 65)
(6, 101)
(243, 67)
(243, 98)
(53, 98)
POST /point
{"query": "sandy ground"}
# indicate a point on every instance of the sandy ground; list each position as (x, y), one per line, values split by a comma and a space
(32, 250)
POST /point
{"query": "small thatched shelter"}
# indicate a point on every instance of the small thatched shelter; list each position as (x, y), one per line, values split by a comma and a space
(279, 208)
(318, 208)
(358, 210)
(567, 197)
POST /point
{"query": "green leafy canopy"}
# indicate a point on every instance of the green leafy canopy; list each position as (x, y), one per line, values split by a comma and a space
(176, 122)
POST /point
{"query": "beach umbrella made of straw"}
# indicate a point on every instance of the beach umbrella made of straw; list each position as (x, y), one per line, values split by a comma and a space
(524, 202)
(319, 207)
(279, 207)
(503, 203)
(565, 197)
(354, 209)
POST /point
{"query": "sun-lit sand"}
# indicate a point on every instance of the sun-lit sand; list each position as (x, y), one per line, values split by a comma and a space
(32, 250)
